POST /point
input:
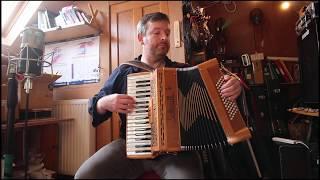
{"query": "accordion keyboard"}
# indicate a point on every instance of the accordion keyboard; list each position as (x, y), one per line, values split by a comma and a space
(138, 126)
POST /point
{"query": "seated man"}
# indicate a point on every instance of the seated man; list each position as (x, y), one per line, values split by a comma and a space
(111, 160)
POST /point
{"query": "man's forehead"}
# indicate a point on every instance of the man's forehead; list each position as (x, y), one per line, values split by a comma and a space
(158, 24)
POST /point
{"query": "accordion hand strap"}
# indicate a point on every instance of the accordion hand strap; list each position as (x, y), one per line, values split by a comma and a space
(140, 65)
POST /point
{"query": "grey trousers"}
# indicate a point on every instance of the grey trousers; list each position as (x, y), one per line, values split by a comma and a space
(111, 162)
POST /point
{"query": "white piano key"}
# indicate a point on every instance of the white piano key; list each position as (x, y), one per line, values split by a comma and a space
(139, 149)
(135, 78)
(138, 153)
(139, 113)
(137, 88)
(137, 117)
(143, 121)
(134, 141)
(140, 95)
(139, 128)
(133, 145)
(140, 137)
(139, 133)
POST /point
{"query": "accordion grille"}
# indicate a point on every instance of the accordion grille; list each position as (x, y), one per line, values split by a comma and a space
(199, 125)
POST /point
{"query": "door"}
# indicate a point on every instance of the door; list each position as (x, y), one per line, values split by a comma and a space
(124, 41)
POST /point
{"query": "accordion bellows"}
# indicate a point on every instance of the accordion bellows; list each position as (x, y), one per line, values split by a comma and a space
(181, 109)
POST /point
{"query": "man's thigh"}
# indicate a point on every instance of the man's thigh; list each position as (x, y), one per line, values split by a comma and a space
(110, 162)
(184, 165)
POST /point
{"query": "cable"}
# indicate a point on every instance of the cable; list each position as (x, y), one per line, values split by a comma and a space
(300, 142)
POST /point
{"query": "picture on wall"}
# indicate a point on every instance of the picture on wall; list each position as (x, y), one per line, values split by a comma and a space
(77, 61)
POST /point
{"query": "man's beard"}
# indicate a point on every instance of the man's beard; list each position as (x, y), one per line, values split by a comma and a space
(161, 50)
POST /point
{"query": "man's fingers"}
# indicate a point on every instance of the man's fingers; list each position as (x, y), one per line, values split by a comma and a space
(126, 106)
(125, 99)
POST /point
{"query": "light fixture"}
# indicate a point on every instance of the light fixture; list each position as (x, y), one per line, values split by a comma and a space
(285, 5)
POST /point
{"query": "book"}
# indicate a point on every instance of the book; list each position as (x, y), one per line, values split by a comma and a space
(60, 21)
(64, 17)
(74, 15)
(45, 21)
(50, 17)
(79, 16)
(273, 74)
(85, 16)
(67, 16)
(286, 71)
(257, 72)
(284, 75)
(277, 71)
(40, 20)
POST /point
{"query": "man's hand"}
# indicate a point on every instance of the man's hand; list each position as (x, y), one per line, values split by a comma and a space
(121, 103)
(231, 89)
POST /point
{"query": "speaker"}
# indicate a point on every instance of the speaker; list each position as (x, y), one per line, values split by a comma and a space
(294, 161)
(308, 48)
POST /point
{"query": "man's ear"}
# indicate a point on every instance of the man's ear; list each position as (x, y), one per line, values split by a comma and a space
(140, 38)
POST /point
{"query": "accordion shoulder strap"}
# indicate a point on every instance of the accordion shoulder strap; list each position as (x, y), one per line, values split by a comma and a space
(140, 65)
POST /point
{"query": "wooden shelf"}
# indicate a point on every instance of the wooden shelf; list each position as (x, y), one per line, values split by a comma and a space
(304, 112)
(69, 32)
(36, 122)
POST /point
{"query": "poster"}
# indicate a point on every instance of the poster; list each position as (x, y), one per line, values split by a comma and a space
(76, 61)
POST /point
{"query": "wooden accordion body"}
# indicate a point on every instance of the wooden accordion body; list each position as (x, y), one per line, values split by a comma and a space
(183, 111)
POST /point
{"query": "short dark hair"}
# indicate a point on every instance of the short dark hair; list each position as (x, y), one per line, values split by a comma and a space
(152, 17)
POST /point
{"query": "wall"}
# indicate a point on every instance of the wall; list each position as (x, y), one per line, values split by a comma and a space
(88, 90)
(274, 37)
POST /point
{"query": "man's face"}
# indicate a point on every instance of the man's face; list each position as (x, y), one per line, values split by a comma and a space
(156, 41)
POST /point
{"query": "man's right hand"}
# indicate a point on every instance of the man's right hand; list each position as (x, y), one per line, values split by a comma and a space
(121, 103)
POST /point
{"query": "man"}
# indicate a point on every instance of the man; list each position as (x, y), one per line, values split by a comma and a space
(111, 161)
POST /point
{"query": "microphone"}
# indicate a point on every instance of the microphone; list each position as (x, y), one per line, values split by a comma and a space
(31, 55)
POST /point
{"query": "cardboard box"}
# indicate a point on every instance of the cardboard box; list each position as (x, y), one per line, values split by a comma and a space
(40, 96)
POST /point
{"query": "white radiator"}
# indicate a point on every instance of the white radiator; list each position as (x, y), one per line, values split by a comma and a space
(76, 137)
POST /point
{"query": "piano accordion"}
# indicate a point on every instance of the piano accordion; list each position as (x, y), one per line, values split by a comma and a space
(181, 109)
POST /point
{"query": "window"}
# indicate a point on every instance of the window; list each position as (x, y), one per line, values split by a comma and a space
(7, 12)
(15, 16)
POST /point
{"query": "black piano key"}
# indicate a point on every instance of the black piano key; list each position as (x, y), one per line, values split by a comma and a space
(142, 81)
(145, 145)
(143, 85)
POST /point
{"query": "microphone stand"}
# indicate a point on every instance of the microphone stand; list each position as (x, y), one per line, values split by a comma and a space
(11, 105)
(27, 87)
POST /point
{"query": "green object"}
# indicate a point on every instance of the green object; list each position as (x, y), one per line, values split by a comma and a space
(8, 163)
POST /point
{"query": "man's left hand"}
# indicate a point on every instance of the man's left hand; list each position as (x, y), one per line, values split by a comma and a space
(231, 89)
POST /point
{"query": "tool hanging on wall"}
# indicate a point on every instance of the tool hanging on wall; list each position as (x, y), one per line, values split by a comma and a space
(256, 17)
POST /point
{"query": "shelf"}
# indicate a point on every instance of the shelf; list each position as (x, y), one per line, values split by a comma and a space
(304, 112)
(69, 32)
(36, 122)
